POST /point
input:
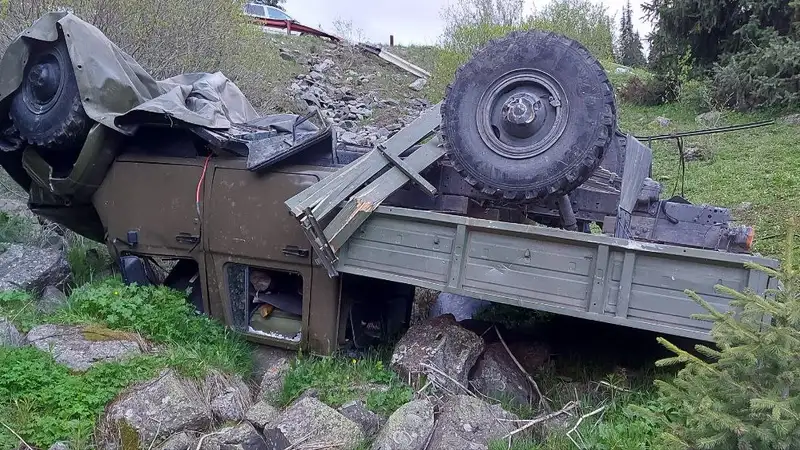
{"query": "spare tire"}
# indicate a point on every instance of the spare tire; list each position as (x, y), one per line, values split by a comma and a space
(47, 108)
(530, 115)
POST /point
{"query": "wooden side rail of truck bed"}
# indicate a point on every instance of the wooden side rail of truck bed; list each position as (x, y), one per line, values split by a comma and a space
(597, 277)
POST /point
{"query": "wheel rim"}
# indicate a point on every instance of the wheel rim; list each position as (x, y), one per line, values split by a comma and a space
(522, 113)
(43, 83)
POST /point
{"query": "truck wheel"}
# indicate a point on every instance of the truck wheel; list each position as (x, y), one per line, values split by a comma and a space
(47, 108)
(530, 115)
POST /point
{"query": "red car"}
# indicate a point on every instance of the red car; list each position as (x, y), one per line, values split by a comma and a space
(271, 17)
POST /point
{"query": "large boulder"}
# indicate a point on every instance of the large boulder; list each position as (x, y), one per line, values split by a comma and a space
(228, 396)
(239, 437)
(440, 349)
(180, 441)
(408, 428)
(314, 424)
(32, 268)
(79, 348)
(468, 423)
(9, 335)
(497, 376)
(150, 412)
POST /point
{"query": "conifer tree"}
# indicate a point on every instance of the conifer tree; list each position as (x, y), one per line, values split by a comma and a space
(745, 393)
(629, 47)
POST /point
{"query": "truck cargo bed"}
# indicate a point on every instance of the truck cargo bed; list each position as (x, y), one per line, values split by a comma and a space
(594, 277)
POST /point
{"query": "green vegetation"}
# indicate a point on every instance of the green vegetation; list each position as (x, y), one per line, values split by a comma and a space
(339, 379)
(43, 401)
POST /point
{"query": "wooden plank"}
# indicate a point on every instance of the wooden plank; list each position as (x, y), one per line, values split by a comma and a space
(361, 205)
(415, 177)
(328, 193)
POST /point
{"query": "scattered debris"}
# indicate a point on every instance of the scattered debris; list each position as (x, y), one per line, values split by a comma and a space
(152, 411)
(9, 335)
(408, 428)
(79, 348)
(440, 349)
(621, 70)
(396, 60)
(32, 269)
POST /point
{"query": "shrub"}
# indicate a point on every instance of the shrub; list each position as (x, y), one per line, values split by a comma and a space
(766, 76)
(745, 393)
(649, 92)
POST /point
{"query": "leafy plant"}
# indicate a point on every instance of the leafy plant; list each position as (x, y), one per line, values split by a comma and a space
(44, 402)
(339, 379)
(163, 315)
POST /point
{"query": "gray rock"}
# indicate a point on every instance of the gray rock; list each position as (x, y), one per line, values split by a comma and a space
(17, 208)
(348, 137)
(469, 423)
(419, 84)
(180, 441)
(357, 411)
(32, 269)
(155, 410)
(52, 300)
(792, 119)
(287, 55)
(262, 414)
(391, 102)
(276, 440)
(59, 446)
(315, 424)
(79, 348)
(710, 118)
(662, 121)
(460, 306)
(621, 70)
(228, 396)
(441, 343)
(324, 66)
(497, 376)
(272, 380)
(408, 428)
(316, 76)
(9, 335)
(239, 437)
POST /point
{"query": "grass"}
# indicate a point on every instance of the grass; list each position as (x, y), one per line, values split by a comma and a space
(339, 379)
(45, 402)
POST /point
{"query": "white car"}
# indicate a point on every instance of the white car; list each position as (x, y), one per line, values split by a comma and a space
(274, 20)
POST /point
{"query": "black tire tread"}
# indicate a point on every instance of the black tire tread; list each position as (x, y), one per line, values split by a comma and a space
(579, 172)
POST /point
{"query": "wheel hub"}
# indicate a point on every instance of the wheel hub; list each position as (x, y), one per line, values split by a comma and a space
(43, 85)
(522, 113)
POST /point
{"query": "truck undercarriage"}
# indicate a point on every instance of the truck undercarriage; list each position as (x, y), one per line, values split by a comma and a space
(518, 189)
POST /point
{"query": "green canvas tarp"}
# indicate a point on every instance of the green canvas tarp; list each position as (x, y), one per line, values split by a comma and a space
(116, 91)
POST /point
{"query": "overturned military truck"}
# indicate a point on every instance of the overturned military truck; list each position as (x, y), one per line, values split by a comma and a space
(296, 240)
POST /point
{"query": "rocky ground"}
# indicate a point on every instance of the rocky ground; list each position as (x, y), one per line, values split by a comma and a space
(364, 97)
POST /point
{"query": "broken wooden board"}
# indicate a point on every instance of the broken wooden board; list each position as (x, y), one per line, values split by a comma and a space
(362, 204)
(327, 194)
